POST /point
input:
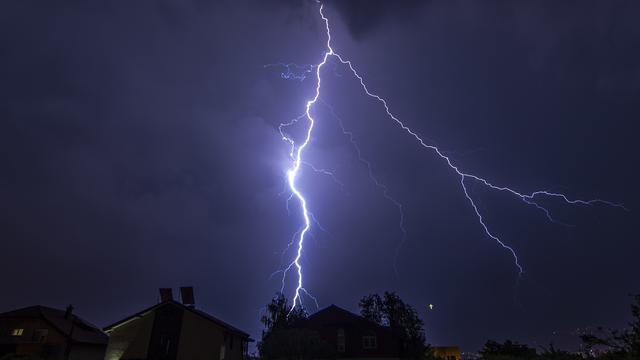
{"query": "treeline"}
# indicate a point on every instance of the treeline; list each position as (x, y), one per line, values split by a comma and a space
(601, 344)
(284, 338)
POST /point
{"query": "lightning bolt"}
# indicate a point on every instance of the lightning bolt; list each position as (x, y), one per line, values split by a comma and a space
(298, 149)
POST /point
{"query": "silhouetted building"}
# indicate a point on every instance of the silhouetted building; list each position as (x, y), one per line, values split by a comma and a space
(446, 352)
(50, 334)
(175, 331)
(353, 336)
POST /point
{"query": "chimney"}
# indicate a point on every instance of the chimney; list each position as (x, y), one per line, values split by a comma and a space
(186, 294)
(68, 312)
(166, 294)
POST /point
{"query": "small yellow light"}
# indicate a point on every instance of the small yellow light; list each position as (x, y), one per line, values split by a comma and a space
(430, 306)
(17, 332)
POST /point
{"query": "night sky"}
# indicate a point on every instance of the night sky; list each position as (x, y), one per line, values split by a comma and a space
(139, 149)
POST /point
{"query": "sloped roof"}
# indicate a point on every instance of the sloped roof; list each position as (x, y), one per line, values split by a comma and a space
(83, 331)
(335, 313)
(200, 313)
(326, 321)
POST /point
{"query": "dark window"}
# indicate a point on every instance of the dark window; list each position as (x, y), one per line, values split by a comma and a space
(165, 343)
(341, 340)
(245, 349)
(369, 341)
(40, 335)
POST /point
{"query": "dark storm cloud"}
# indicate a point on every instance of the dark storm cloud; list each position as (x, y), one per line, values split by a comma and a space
(126, 132)
(363, 16)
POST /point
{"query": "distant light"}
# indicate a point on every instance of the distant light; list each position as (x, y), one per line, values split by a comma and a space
(430, 306)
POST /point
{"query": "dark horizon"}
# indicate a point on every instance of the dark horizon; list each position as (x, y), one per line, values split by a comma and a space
(140, 150)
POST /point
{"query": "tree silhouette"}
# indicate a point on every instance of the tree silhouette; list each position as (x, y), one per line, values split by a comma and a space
(552, 353)
(390, 310)
(494, 350)
(281, 339)
(279, 314)
(619, 344)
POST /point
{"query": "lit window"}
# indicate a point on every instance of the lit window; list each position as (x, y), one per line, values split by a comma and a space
(369, 342)
(341, 340)
(17, 332)
(222, 352)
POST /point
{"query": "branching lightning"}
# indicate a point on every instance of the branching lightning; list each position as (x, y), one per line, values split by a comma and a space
(298, 72)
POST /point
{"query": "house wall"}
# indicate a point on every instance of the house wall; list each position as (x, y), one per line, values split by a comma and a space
(165, 336)
(87, 352)
(170, 332)
(202, 339)
(327, 323)
(387, 346)
(53, 347)
(29, 325)
(130, 340)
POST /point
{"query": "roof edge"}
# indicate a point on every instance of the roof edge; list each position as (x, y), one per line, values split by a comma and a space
(200, 313)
